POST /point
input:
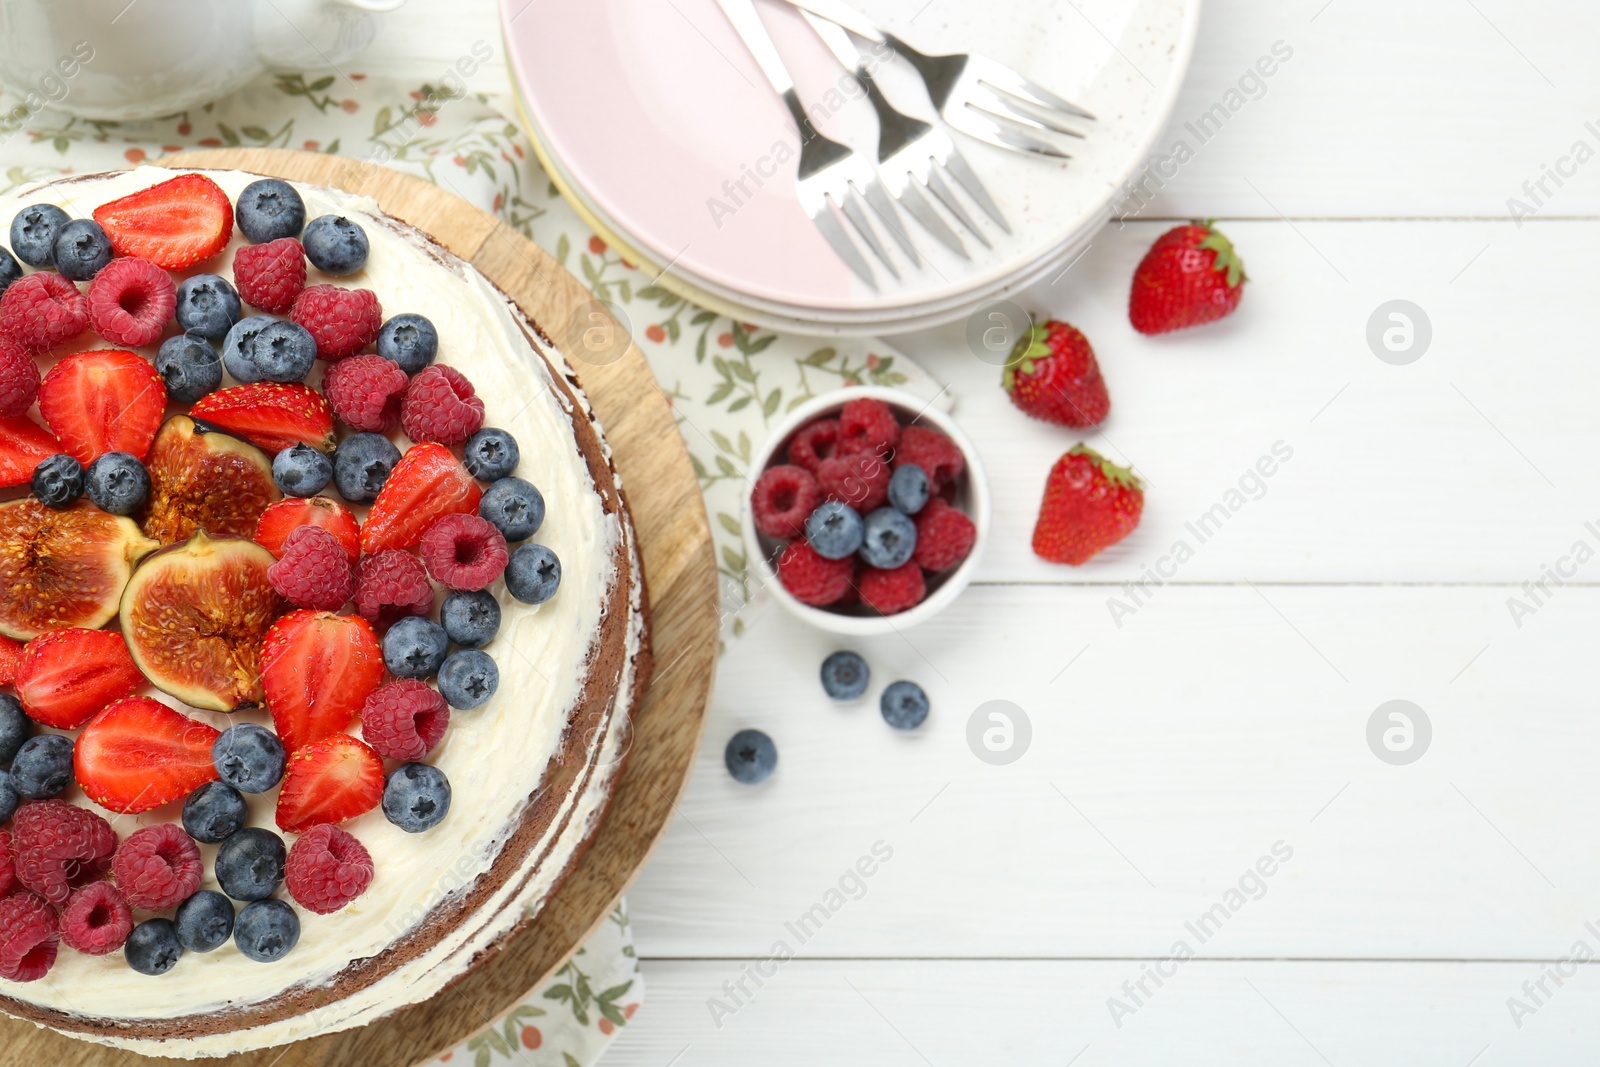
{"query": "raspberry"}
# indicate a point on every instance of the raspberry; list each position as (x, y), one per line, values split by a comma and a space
(96, 920)
(343, 321)
(463, 552)
(271, 275)
(944, 536)
(365, 392)
(131, 301)
(158, 867)
(8, 864)
(327, 869)
(867, 425)
(441, 406)
(860, 480)
(60, 847)
(812, 579)
(313, 570)
(813, 443)
(404, 720)
(42, 311)
(29, 937)
(935, 453)
(892, 591)
(783, 499)
(19, 379)
(391, 585)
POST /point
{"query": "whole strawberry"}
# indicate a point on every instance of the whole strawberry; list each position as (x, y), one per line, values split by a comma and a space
(1052, 375)
(1190, 276)
(1089, 504)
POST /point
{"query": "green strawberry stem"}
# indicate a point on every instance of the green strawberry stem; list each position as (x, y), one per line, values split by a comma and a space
(1226, 258)
(1118, 476)
(1030, 346)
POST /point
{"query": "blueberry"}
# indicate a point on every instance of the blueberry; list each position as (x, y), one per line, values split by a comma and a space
(416, 797)
(361, 464)
(888, 539)
(335, 245)
(81, 249)
(213, 812)
(414, 647)
(269, 209)
(250, 864)
(248, 757)
(533, 574)
(490, 454)
(118, 483)
(42, 767)
(207, 305)
(266, 930)
(153, 947)
(284, 352)
(845, 676)
(751, 756)
(468, 678)
(470, 618)
(204, 921)
(515, 508)
(409, 340)
(834, 530)
(904, 705)
(238, 348)
(33, 234)
(10, 269)
(301, 470)
(58, 481)
(10, 799)
(15, 728)
(190, 366)
(908, 488)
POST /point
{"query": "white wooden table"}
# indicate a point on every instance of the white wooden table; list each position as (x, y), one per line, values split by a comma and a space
(1227, 716)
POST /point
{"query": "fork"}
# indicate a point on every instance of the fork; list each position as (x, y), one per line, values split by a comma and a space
(829, 172)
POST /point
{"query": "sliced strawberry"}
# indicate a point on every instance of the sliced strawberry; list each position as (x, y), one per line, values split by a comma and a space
(24, 444)
(104, 400)
(318, 668)
(288, 515)
(176, 224)
(329, 781)
(271, 415)
(10, 657)
(66, 676)
(139, 754)
(427, 482)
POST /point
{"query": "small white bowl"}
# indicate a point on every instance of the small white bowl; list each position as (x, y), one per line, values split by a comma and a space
(971, 497)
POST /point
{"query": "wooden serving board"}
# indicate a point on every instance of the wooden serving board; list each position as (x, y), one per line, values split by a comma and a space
(680, 569)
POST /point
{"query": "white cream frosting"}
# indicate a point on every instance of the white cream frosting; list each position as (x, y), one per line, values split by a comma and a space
(494, 756)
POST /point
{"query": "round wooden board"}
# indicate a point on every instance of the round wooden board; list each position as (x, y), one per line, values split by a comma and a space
(680, 569)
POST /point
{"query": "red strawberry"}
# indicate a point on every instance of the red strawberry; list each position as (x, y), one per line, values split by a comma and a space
(10, 658)
(317, 669)
(66, 676)
(23, 445)
(1052, 375)
(329, 781)
(1190, 276)
(427, 482)
(176, 224)
(1089, 504)
(288, 515)
(139, 754)
(271, 415)
(104, 400)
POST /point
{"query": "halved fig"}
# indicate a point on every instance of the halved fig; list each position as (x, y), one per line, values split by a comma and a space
(204, 479)
(194, 615)
(63, 568)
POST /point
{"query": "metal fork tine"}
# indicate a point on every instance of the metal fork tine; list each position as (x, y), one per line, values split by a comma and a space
(843, 246)
(917, 205)
(878, 200)
(1031, 114)
(996, 130)
(958, 167)
(1002, 77)
(851, 206)
(947, 197)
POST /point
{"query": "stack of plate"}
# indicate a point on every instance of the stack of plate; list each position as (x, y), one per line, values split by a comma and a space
(655, 121)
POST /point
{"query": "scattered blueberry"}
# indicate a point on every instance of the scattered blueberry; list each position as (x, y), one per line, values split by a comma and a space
(10, 269)
(118, 483)
(153, 947)
(269, 209)
(335, 245)
(250, 864)
(284, 352)
(57, 481)
(414, 647)
(490, 454)
(361, 464)
(81, 249)
(248, 757)
(416, 797)
(10, 799)
(42, 767)
(845, 676)
(190, 366)
(207, 305)
(468, 678)
(834, 530)
(238, 348)
(15, 728)
(213, 812)
(33, 234)
(515, 507)
(751, 756)
(908, 488)
(410, 340)
(266, 930)
(533, 574)
(301, 470)
(470, 618)
(904, 705)
(888, 539)
(204, 921)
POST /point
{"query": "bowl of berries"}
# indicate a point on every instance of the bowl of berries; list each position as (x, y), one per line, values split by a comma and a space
(869, 513)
